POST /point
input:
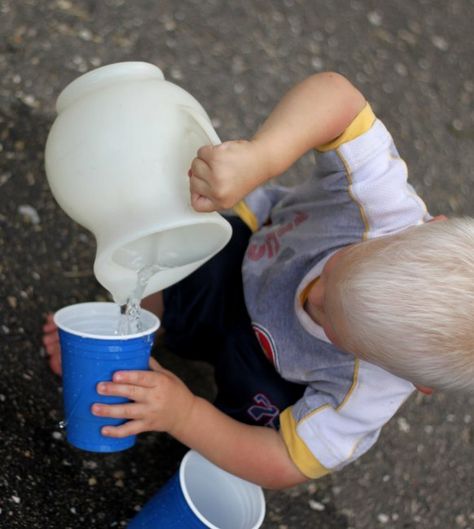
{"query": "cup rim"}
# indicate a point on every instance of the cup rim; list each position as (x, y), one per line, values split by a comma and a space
(108, 305)
(192, 453)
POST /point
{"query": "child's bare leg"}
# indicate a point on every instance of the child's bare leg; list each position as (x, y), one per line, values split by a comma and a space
(153, 303)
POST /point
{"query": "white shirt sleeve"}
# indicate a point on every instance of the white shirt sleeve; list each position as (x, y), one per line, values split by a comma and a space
(336, 436)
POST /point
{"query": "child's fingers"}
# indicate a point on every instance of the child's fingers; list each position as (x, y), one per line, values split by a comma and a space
(119, 411)
(53, 349)
(200, 171)
(199, 185)
(202, 203)
(154, 364)
(129, 391)
(49, 318)
(50, 326)
(55, 364)
(124, 430)
(205, 153)
(146, 379)
(51, 343)
(50, 339)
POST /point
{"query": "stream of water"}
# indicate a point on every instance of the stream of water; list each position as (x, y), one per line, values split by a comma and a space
(130, 317)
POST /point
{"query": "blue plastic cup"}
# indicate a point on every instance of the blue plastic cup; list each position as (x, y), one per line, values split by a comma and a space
(91, 352)
(201, 496)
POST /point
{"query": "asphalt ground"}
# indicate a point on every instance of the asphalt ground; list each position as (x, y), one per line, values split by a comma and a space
(412, 59)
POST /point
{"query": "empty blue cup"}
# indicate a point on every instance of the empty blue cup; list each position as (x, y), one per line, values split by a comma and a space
(91, 352)
(202, 496)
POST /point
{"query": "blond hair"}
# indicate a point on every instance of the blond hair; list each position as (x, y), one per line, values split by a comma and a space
(407, 303)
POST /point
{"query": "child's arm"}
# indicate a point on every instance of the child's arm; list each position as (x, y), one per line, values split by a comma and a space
(313, 113)
(162, 402)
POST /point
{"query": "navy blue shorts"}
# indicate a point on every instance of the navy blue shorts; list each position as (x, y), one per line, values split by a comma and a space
(205, 318)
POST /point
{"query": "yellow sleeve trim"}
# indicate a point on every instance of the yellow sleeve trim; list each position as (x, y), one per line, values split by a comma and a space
(360, 124)
(300, 454)
(246, 214)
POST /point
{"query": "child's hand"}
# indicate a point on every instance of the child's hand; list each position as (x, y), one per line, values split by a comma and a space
(161, 401)
(51, 344)
(222, 175)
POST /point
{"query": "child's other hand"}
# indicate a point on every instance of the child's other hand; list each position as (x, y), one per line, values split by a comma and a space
(221, 175)
(52, 345)
(161, 401)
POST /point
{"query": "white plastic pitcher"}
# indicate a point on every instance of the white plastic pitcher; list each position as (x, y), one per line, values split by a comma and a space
(117, 159)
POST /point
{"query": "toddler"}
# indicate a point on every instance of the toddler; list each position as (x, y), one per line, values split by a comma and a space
(333, 300)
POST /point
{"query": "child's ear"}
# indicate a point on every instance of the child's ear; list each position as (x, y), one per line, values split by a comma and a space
(424, 389)
(438, 218)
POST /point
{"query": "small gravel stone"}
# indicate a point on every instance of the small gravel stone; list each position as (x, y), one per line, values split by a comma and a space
(375, 18)
(440, 43)
(403, 425)
(30, 213)
(316, 505)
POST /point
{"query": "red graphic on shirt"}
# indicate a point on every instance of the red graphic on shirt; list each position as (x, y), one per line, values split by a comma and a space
(266, 342)
(271, 245)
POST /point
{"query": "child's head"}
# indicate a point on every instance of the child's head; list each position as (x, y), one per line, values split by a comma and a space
(406, 303)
